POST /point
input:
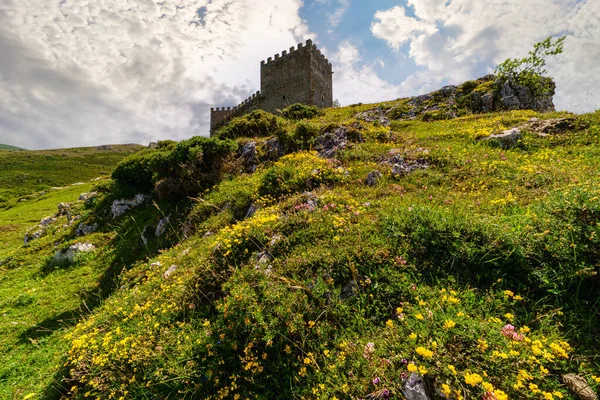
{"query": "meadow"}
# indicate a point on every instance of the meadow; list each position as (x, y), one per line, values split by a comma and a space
(283, 274)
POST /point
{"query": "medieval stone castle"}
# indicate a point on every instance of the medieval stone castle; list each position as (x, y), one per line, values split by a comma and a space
(302, 75)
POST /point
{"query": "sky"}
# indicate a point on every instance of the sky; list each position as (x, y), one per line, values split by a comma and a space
(91, 72)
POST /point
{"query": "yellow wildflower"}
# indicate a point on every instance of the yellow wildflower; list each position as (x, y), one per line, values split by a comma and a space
(472, 379)
(446, 390)
(449, 324)
(422, 351)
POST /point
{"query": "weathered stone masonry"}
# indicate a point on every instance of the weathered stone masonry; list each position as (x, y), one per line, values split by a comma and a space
(302, 75)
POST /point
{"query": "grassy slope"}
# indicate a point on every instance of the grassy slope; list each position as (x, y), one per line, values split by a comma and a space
(25, 172)
(10, 148)
(34, 304)
(480, 220)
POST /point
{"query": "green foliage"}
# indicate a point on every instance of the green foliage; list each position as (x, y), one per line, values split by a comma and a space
(299, 111)
(297, 172)
(258, 123)
(328, 288)
(24, 173)
(530, 71)
(138, 170)
(10, 148)
(174, 169)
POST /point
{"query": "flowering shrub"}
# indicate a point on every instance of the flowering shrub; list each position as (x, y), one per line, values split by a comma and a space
(299, 171)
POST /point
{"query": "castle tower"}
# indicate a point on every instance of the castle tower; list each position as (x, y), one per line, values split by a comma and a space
(302, 75)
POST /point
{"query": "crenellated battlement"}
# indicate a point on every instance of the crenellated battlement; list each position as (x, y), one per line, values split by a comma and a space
(220, 115)
(298, 51)
(301, 74)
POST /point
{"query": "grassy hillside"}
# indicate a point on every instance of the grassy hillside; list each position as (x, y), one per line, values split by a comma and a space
(295, 264)
(25, 172)
(9, 148)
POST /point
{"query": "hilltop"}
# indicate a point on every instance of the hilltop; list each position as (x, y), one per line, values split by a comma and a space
(24, 173)
(9, 147)
(356, 252)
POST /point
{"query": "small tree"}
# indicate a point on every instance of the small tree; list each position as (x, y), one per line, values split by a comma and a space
(530, 71)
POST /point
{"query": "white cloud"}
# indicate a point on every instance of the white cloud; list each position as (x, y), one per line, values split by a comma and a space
(335, 17)
(395, 27)
(461, 39)
(81, 72)
(353, 83)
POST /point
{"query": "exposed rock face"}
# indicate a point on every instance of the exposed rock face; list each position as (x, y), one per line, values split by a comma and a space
(87, 196)
(273, 149)
(511, 96)
(506, 139)
(579, 387)
(329, 143)
(551, 126)
(405, 168)
(248, 156)
(373, 178)
(71, 253)
(120, 207)
(162, 226)
(170, 271)
(484, 95)
(64, 209)
(414, 388)
(374, 115)
(84, 229)
(252, 210)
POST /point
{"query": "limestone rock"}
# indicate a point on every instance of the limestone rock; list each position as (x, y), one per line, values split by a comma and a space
(551, 126)
(579, 387)
(64, 209)
(120, 207)
(414, 388)
(374, 115)
(162, 226)
(405, 168)
(71, 253)
(39, 230)
(518, 97)
(373, 178)
(248, 156)
(273, 149)
(170, 271)
(329, 143)
(84, 229)
(506, 139)
(87, 196)
(251, 210)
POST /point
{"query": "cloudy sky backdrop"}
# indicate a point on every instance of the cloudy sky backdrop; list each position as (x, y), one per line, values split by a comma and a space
(90, 72)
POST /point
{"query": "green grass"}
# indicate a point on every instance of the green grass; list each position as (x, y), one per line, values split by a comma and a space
(331, 283)
(9, 148)
(25, 172)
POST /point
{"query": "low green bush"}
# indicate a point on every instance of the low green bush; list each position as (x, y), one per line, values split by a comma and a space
(184, 168)
(298, 171)
(299, 111)
(258, 123)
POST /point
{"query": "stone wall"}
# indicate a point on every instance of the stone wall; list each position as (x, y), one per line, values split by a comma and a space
(220, 116)
(300, 75)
